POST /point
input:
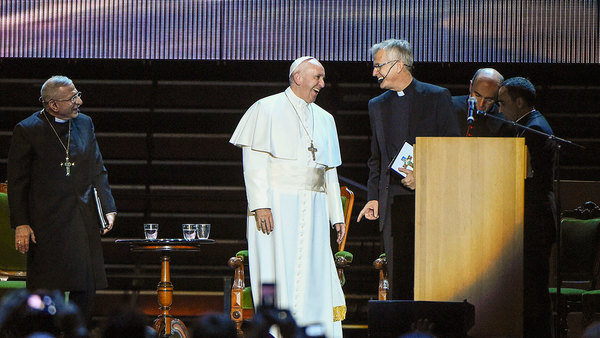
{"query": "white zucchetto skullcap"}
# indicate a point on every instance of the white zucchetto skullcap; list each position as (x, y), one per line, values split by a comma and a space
(297, 63)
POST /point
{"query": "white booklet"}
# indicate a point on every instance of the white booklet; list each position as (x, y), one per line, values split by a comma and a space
(404, 159)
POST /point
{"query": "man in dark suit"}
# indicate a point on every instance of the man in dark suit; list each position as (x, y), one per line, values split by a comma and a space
(516, 99)
(53, 165)
(408, 109)
(484, 89)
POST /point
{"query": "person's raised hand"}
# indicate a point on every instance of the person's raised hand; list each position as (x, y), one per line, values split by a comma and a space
(370, 211)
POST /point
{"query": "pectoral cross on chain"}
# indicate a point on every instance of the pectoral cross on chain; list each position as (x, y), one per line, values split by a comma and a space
(67, 164)
(313, 150)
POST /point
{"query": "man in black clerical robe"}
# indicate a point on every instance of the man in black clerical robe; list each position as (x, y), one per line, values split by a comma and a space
(407, 110)
(53, 165)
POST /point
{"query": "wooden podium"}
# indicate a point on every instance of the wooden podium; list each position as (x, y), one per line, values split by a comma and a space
(469, 227)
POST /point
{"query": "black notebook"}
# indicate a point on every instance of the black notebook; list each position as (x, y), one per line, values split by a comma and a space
(101, 215)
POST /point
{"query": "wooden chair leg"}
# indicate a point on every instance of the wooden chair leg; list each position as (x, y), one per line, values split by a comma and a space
(384, 284)
(340, 264)
(237, 291)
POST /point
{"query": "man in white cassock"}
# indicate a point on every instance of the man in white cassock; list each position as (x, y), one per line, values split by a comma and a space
(290, 153)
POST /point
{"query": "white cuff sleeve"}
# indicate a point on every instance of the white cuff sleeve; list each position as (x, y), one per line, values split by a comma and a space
(334, 199)
(256, 177)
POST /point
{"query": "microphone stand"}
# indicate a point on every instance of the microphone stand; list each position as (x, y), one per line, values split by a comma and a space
(559, 323)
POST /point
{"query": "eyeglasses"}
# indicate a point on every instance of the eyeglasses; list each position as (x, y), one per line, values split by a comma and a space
(378, 66)
(72, 99)
(487, 100)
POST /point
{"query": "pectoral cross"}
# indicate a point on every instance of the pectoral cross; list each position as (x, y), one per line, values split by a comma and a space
(313, 150)
(67, 164)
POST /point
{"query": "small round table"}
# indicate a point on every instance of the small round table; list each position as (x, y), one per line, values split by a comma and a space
(165, 324)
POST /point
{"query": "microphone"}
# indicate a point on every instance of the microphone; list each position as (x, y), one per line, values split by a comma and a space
(472, 102)
(380, 80)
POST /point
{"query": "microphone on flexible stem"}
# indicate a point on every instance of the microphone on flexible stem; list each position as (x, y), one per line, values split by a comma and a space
(471, 111)
(470, 119)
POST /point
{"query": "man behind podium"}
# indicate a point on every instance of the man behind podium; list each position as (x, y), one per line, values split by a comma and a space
(516, 98)
(484, 89)
(408, 109)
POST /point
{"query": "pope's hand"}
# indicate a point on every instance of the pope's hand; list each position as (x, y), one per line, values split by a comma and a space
(370, 211)
(341, 232)
(264, 220)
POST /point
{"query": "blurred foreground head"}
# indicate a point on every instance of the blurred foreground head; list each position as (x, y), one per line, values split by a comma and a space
(214, 325)
(127, 322)
(24, 313)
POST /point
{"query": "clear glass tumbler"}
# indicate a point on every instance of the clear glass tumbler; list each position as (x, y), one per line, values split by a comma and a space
(203, 230)
(189, 231)
(151, 230)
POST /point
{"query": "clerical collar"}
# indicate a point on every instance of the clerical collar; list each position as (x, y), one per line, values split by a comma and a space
(406, 90)
(295, 99)
(56, 119)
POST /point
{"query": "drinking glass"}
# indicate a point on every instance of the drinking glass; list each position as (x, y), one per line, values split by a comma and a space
(189, 231)
(150, 230)
(203, 230)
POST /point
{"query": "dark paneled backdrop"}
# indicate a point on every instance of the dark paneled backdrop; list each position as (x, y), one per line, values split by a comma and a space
(163, 128)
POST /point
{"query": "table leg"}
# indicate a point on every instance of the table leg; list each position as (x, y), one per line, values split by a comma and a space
(165, 293)
(165, 321)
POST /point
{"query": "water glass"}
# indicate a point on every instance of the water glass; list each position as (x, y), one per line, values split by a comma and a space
(203, 230)
(189, 231)
(151, 230)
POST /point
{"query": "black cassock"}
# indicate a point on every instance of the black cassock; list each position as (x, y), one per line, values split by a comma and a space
(60, 209)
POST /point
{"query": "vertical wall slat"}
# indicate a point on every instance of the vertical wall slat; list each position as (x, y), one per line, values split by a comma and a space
(550, 31)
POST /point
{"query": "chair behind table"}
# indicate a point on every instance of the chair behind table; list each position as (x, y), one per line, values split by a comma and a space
(12, 263)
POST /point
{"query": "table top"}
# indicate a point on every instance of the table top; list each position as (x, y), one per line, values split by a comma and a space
(165, 244)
